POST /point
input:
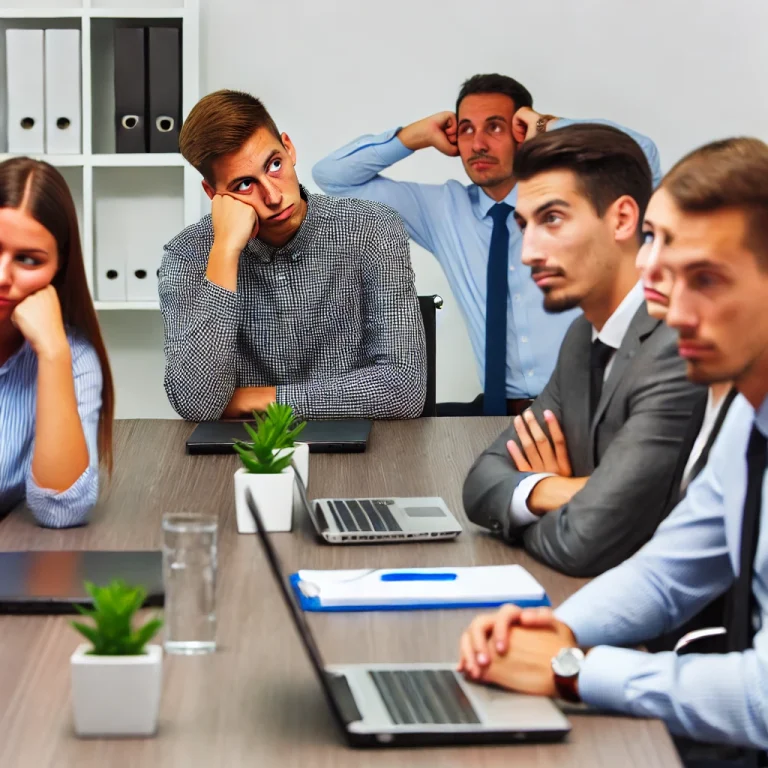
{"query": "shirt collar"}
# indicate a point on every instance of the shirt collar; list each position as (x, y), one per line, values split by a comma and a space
(484, 203)
(615, 328)
(761, 417)
(293, 248)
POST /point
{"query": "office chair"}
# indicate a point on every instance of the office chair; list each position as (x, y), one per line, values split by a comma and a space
(429, 306)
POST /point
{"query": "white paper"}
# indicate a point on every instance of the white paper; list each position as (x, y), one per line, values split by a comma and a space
(484, 584)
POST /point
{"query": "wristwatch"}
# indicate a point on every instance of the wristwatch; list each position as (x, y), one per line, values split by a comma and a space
(566, 666)
(541, 123)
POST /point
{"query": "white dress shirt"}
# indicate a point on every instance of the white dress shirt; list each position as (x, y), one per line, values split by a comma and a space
(611, 334)
(711, 413)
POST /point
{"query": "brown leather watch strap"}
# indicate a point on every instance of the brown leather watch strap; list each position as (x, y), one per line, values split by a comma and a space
(567, 688)
(541, 123)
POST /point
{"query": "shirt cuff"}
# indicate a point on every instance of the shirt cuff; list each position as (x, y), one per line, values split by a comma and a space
(64, 509)
(604, 675)
(519, 513)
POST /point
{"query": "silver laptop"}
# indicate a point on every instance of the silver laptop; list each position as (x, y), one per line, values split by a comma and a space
(391, 705)
(379, 521)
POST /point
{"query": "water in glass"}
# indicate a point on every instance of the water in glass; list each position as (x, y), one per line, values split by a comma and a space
(189, 573)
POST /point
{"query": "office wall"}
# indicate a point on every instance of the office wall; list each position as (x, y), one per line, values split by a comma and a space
(681, 71)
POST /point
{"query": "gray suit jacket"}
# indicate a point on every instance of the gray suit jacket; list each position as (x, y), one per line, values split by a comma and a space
(629, 451)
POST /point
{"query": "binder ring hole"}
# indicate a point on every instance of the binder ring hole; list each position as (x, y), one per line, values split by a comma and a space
(27, 123)
(140, 273)
(130, 121)
(63, 123)
(111, 274)
(164, 124)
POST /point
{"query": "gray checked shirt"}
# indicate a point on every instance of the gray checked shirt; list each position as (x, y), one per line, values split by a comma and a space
(331, 319)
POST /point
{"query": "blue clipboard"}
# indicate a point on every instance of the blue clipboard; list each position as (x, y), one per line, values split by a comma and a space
(313, 604)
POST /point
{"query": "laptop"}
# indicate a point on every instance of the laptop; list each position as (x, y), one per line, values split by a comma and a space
(379, 521)
(392, 705)
(337, 436)
(52, 581)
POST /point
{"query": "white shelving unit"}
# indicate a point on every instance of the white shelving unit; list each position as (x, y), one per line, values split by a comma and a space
(108, 187)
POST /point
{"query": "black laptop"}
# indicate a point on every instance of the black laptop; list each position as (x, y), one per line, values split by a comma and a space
(337, 436)
(392, 705)
(52, 581)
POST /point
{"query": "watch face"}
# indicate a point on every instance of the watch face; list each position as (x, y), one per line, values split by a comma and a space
(567, 663)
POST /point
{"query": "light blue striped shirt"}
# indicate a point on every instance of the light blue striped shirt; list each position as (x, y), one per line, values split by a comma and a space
(451, 221)
(18, 398)
(693, 557)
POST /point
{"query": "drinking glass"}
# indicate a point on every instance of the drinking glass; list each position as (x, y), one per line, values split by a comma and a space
(189, 575)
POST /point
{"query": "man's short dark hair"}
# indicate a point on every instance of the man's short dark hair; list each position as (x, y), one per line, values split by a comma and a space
(494, 83)
(607, 162)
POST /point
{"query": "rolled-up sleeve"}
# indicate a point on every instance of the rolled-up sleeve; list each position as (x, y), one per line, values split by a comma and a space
(69, 508)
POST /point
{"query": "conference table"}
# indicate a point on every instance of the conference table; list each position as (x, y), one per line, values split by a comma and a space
(256, 700)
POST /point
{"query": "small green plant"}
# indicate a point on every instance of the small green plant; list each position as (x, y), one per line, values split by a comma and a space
(114, 608)
(274, 438)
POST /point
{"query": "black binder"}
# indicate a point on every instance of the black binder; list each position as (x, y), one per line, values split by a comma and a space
(164, 89)
(130, 90)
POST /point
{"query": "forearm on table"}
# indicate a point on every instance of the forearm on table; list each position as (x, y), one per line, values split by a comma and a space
(376, 391)
(61, 451)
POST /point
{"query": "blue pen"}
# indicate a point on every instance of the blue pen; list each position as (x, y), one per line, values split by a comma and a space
(416, 576)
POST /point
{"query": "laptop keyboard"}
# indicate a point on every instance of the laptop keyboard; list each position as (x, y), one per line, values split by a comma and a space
(364, 515)
(424, 696)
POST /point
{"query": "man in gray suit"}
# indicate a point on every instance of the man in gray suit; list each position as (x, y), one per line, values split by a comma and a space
(581, 478)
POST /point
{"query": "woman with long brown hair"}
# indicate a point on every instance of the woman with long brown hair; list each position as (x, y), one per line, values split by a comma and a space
(56, 394)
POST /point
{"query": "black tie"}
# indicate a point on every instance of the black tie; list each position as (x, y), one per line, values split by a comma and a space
(598, 360)
(495, 396)
(741, 630)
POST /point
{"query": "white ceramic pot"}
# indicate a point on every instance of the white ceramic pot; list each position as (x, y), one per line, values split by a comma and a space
(301, 459)
(273, 495)
(116, 695)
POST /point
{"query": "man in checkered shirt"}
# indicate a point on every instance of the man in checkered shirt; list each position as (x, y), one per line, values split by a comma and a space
(281, 295)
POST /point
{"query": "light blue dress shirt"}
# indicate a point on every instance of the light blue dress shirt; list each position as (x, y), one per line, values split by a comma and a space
(451, 221)
(18, 400)
(693, 557)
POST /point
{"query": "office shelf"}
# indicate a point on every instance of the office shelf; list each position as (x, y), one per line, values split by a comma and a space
(135, 205)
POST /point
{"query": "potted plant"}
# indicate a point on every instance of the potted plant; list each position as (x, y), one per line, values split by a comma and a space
(267, 468)
(116, 679)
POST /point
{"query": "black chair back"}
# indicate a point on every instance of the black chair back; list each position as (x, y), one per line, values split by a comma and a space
(429, 306)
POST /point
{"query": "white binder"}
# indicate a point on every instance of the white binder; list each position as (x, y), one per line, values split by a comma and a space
(111, 249)
(62, 91)
(24, 67)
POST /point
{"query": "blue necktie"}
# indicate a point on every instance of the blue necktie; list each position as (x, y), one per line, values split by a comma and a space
(495, 398)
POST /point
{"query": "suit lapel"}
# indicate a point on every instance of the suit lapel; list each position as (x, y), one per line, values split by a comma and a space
(640, 328)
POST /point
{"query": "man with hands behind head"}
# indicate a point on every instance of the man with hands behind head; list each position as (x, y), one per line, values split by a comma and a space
(470, 230)
(709, 225)
(280, 295)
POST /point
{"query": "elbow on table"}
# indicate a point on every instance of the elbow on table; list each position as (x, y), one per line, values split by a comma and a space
(68, 509)
(408, 393)
(194, 405)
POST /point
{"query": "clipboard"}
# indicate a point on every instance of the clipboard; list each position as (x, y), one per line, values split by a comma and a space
(411, 589)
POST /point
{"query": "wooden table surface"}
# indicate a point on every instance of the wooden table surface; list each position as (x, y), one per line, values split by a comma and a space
(256, 701)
